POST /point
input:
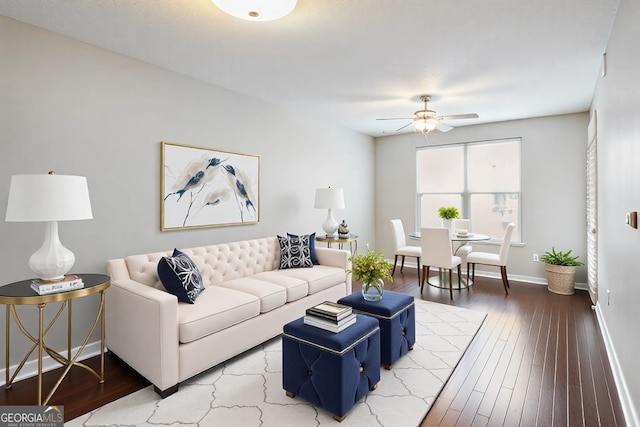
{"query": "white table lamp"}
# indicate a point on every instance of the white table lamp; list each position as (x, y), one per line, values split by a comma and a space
(49, 198)
(329, 198)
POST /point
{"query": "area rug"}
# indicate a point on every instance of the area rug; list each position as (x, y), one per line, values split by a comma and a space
(247, 390)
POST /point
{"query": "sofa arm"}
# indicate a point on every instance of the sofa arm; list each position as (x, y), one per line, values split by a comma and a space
(142, 329)
(336, 258)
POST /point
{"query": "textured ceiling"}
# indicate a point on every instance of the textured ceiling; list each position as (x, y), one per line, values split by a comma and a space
(352, 61)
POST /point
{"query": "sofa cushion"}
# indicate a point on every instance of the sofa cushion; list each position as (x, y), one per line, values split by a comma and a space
(312, 247)
(271, 296)
(296, 288)
(294, 252)
(319, 277)
(217, 308)
(180, 276)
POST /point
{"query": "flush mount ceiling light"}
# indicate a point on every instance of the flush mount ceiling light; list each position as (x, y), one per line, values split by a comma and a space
(256, 10)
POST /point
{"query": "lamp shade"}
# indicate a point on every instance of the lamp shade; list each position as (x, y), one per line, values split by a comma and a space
(48, 197)
(256, 10)
(329, 198)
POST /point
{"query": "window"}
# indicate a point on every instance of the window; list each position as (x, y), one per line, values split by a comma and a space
(481, 179)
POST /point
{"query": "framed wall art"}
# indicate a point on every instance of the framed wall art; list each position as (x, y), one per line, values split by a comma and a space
(204, 187)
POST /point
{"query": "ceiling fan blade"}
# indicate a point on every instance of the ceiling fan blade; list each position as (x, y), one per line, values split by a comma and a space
(397, 118)
(399, 129)
(460, 116)
(443, 128)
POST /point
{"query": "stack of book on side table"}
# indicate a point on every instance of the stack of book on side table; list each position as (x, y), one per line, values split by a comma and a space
(330, 316)
(45, 287)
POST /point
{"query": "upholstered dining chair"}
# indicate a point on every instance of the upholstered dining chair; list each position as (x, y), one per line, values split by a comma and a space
(498, 260)
(401, 248)
(464, 250)
(437, 252)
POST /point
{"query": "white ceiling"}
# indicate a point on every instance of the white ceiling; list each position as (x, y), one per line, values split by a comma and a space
(353, 61)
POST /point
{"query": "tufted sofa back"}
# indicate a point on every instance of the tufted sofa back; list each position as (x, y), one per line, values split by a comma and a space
(217, 263)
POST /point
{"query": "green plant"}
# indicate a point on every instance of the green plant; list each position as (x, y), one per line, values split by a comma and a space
(370, 267)
(560, 258)
(448, 212)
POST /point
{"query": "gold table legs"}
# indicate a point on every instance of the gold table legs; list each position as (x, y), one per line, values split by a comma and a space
(39, 344)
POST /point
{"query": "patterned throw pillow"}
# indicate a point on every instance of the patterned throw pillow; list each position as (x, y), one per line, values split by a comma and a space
(180, 276)
(312, 246)
(294, 252)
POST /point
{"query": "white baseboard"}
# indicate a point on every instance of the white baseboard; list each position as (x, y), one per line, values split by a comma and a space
(630, 414)
(30, 369)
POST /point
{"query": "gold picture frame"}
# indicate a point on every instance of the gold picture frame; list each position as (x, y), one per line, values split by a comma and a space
(204, 187)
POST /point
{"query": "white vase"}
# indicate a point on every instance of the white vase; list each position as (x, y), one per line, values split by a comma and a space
(448, 224)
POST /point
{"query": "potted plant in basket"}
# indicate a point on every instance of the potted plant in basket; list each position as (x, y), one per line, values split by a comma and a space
(448, 214)
(372, 268)
(561, 271)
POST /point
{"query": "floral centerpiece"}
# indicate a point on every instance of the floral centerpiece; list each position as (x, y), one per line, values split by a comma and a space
(372, 268)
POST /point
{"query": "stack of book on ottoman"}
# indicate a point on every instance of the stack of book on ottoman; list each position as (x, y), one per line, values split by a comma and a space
(330, 316)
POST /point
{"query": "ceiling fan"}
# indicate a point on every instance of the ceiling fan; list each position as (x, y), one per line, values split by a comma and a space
(424, 121)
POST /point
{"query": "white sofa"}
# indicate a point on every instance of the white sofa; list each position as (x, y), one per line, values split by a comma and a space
(246, 301)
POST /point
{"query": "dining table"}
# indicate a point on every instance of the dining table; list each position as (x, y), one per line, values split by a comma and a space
(457, 241)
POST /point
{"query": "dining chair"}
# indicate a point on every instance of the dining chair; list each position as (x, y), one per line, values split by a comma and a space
(437, 252)
(465, 249)
(401, 248)
(498, 260)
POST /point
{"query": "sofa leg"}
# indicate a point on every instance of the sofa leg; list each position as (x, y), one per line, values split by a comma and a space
(166, 393)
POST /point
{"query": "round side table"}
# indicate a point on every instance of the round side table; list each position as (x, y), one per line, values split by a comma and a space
(20, 293)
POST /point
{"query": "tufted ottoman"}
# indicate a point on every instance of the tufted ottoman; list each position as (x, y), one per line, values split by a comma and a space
(397, 316)
(331, 370)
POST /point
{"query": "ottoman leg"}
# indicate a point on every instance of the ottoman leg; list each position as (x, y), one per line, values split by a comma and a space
(387, 367)
(375, 386)
(339, 419)
(289, 394)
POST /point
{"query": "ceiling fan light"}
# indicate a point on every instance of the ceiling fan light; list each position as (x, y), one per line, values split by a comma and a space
(256, 10)
(425, 125)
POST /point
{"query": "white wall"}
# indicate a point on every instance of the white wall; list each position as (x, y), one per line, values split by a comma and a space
(553, 155)
(81, 110)
(618, 113)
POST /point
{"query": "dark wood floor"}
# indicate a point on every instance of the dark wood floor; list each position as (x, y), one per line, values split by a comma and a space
(538, 360)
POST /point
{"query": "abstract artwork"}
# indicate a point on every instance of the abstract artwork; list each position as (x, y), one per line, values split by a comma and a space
(203, 187)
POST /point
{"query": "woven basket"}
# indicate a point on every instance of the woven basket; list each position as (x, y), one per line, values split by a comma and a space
(561, 279)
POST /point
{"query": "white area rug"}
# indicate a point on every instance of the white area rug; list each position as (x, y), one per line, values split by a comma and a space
(247, 390)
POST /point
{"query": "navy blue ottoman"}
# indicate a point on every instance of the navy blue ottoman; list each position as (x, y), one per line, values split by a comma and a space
(397, 316)
(331, 370)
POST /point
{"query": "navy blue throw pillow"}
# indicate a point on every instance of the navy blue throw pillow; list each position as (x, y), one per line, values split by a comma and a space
(180, 276)
(312, 247)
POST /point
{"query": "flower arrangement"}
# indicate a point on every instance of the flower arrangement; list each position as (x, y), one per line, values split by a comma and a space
(370, 267)
(450, 212)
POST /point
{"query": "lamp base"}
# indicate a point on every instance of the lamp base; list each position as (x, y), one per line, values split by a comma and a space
(52, 261)
(330, 225)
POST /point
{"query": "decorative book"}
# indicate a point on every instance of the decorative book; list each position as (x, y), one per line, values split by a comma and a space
(330, 310)
(69, 283)
(329, 325)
